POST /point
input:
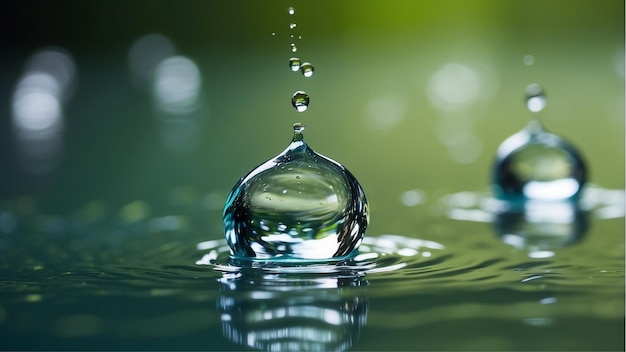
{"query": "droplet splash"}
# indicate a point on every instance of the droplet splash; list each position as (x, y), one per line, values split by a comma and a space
(535, 98)
(536, 164)
(300, 101)
(307, 69)
(298, 206)
(294, 64)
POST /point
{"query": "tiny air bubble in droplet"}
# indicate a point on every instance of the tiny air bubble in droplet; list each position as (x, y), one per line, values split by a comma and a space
(300, 101)
(291, 11)
(294, 64)
(294, 48)
(307, 69)
(535, 98)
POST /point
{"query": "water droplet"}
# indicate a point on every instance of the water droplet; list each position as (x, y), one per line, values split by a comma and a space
(294, 64)
(325, 208)
(294, 48)
(273, 33)
(535, 98)
(292, 25)
(528, 60)
(300, 101)
(307, 69)
(291, 11)
(536, 164)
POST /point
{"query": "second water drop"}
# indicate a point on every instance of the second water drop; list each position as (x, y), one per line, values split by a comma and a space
(300, 101)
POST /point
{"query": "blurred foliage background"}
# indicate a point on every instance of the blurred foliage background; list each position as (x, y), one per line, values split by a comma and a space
(406, 94)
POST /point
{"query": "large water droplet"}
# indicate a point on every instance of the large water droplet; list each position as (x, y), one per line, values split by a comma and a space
(536, 164)
(300, 101)
(299, 205)
(307, 69)
(535, 98)
(294, 48)
(294, 64)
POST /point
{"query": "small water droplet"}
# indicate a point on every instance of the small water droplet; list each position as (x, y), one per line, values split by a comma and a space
(292, 25)
(322, 216)
(299, 37)
(294, 64)
(273, 33)
(298, 128)
(534, 164)
(300, 101)
(294, 48)
(307, 69)
(535, 98)
(291, 10)
(528, 60)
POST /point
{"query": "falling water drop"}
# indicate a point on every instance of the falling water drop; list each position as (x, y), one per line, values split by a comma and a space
(322, 215)
(294, 64)
(535, 98)
(300, 101)
(536, 164)
(307, 69)
(294, 48)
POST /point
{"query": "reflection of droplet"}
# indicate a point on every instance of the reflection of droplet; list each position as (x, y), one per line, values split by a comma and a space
(536, 164)
(294, 64)
(291, 11)
(535, 98)
(307, 69)
(294, 48)
(324, 207)
(300, 101)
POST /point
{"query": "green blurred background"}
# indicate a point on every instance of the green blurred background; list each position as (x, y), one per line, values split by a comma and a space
(406, 94)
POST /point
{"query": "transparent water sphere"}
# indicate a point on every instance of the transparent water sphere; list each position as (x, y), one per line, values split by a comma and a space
(297, 206)
(536, 164)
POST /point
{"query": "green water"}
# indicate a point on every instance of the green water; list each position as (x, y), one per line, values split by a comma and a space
(107, 248)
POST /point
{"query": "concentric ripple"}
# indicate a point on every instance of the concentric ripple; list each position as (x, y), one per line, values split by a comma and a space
(383, 253)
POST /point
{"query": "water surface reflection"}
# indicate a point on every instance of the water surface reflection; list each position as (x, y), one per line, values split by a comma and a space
(292, 312)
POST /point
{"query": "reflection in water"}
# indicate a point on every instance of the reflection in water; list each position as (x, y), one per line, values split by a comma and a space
(542, 226)
(539, 226)
(279, 312)
(37, 109)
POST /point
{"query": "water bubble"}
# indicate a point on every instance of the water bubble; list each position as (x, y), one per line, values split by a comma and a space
(294, 64)
(291, 10)
(535, 98)
(307, 69)
(294, 48)
(528, 60)
(292, 25)
(323, 215)
(536, 164)
(300, 101)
